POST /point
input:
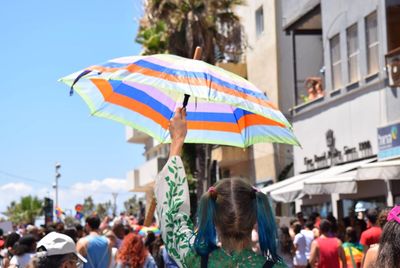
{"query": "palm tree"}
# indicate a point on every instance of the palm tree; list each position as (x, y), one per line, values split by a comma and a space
(25, 211)
(178, 27)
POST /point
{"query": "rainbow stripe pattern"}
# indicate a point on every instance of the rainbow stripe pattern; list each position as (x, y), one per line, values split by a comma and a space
(143, 92)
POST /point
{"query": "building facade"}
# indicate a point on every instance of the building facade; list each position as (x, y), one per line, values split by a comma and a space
(345, 100)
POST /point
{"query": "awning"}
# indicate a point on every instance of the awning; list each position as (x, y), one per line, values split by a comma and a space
(343, 183)
(285, 182)
(384, 170)
(335, 176)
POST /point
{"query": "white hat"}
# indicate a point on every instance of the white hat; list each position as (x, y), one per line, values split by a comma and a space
(58, 244)
(360, 207)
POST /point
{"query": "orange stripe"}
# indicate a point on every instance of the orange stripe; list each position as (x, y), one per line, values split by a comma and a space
(245, 121)
(131, 104)
(255, 119)
(217, 126)
(133, 68)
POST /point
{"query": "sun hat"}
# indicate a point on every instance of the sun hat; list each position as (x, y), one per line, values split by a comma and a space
(360, 207)
(58, 244)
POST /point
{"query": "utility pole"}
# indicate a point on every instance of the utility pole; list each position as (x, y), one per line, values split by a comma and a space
(115, 195)
(55, 186)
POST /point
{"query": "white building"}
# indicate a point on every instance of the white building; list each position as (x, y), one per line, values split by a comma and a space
(348, 101)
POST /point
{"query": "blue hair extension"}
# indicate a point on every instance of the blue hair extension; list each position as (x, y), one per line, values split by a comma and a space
(206, 236)
(267, 233)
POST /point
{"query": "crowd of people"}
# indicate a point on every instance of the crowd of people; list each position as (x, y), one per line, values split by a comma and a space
(236, 227)
(354, 243)
(101, 243)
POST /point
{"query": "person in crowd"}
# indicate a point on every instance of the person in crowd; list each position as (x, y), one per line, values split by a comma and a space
(300, 244)
(24, 250)
(315, 217)
(326, 251)
(353, 250)
(94, 247)
(309, 236)
(71, 232)
(300, 218)
(8, 252)
(285, 246)
(334, 224)
(112, 239)
(133, 253)
(57, 250)
(373, 233)
(291, 231)
(360, 225)
(119, 231)
(387, 253)
(79, 230)
(228, 210)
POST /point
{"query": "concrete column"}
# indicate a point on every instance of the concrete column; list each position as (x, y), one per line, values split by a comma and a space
(389, 197)
(298, 204)
(334, 199)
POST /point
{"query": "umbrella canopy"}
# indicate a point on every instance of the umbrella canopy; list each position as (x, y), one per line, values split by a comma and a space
(144, 91)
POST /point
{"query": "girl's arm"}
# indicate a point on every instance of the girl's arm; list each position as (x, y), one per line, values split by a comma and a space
(172, 194)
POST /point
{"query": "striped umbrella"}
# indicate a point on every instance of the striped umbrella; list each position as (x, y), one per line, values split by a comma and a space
(144, 91)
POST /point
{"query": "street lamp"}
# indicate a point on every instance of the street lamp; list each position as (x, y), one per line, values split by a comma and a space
(55, 186)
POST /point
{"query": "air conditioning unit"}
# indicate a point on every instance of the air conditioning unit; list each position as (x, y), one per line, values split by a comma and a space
(393, 67)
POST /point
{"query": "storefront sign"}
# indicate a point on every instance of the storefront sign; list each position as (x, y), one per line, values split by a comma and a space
(334, 156)
(389, 141)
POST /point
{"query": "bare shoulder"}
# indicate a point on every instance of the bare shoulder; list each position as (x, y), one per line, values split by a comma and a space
(371, 256)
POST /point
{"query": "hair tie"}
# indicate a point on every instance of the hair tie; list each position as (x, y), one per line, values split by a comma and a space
(255, 189)
(213, 192)
(394, 214)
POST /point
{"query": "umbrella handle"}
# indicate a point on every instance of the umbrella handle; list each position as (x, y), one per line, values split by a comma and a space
(197, 56)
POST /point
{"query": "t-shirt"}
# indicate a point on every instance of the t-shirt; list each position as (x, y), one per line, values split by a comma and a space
(21, 261)
(300, 255)
(371, 236)
(309, 235)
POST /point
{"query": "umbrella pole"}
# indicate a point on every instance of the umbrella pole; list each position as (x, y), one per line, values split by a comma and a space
(150, 213)
(197, 56)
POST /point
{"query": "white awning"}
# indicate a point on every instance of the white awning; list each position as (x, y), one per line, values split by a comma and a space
(335, 176)
(343, 183)
(285, 182)
(384, 170)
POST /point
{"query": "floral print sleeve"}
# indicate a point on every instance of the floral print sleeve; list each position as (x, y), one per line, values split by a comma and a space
(173, 209)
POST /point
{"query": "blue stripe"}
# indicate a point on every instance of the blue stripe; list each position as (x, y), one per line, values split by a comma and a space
(199, 75)
(267, 131)
(140, 96)
(109, 64)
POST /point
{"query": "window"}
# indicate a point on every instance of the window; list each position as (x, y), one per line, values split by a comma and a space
(259, 21)
(392, 24)
(352, 53)
(371, 32)
(335, 62)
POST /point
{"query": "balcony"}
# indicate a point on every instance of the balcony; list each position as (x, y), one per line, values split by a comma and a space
(136, 136)
(143, 178)
(228, 156)
(236, 68)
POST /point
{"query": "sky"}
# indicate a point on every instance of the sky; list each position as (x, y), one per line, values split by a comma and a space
(40, 124)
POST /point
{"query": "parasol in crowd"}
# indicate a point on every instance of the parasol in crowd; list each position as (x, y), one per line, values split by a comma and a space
(144, 91)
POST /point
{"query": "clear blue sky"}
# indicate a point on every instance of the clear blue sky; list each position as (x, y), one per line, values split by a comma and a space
(40, 123)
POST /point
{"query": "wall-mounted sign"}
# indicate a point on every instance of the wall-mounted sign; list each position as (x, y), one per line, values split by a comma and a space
(334, 156)
(389, 141)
